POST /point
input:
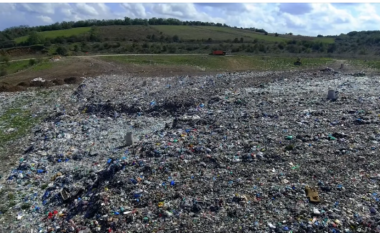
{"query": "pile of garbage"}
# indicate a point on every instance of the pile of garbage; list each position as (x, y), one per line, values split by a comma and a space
(233, 152)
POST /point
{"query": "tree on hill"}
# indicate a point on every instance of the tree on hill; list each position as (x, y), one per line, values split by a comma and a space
(61, 50)
(94, 34)
(4, 58)
(175, 38)
(34, 38)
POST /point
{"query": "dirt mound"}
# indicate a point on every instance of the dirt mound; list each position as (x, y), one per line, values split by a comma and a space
(5, 87)
(72, 80)
(58, 82)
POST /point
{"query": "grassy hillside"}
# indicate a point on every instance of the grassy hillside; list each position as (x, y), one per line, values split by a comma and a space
(57, 33)
(133, 32)
(159, 35)
(139, 32)
(179, 39)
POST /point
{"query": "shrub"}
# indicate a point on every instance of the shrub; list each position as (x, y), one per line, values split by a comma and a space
(25, 206)
(289, 147)
(62, 51)
(71, 80)
(3, 71)
(23, 84)
(11, 196)
(58, 82)
(32, 62)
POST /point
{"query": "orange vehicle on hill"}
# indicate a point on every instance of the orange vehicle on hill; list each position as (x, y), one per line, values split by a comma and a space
(218, 52)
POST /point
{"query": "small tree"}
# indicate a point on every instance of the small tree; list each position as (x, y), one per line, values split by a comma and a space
(32, 62)
(94, 34)
(47, 43)
(3, 71)
(76, 48)
(34, 38)
(5, 59)
(276, 34)
(241, 40)
(62, 51)
(175, 38)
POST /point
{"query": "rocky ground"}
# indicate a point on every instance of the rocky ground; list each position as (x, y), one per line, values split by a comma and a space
(231, 152)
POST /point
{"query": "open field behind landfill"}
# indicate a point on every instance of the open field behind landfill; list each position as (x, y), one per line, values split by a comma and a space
(233, 151)
(21, 73)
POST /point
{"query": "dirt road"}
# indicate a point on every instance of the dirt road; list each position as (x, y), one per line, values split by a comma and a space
(109, 55)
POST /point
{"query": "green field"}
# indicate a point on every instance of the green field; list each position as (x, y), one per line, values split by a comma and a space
(57, 33)
(42, 66)
(16, 118)
(16, 66)
(371, 64)
(222, 63)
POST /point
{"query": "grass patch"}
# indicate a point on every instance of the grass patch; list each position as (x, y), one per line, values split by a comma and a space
(17, 66)
(44, 186)
(42, 66)
(17, 119)
(369, 64)
(221, 63)
(25, 206)
(57, 33)
(11, 196)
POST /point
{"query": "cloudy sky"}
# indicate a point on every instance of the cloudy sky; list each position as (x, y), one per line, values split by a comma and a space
(299, 18)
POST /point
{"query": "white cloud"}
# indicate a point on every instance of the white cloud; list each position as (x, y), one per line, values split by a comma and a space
(37, 8)
(134, 10)
(45, 19)
(66, 12)
(86, 9)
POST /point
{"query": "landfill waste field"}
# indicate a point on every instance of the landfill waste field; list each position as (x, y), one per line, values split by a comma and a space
(233, 152)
